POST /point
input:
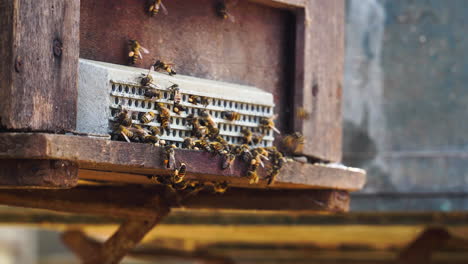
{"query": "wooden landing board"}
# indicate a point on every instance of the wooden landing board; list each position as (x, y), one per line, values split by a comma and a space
(102, 159)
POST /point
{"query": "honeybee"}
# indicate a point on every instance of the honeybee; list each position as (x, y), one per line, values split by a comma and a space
(175, 93)
(125, 133)
(205, 101)
(143, 135)
(302, 113)
(161, 65)
(169, 161)
(193, 99)
(147, 79)
(245, 153)
(147, 117)
(252, 172)
(164, 117)
(179, 174)
(221, 140)
(198, 130)
(188, 143)
(210, 123)
(247, 136)
(231, 115)
(222, 11)
(152, 94)
(154, 130)
(202, 144)
(216, 147)
(220, 187)
(155, 5)
(124, 118)
(277, 162)
(257, 138)
(294, 143)
(228, 160)
(135, 51)
(268, 123)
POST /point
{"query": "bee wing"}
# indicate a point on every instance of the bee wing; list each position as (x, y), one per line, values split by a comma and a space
(276, 130)
(125, 136)
(164, 9)
(144, 50)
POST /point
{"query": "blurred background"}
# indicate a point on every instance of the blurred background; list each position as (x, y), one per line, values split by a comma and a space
(405, 103)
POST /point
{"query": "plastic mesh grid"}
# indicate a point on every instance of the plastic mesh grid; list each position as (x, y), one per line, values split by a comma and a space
(131, 96)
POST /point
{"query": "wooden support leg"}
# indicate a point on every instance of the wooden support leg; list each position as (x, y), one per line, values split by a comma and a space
(129, 234)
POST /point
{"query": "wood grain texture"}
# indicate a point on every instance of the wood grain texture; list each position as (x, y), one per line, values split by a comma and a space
(133, 161)
(140, 202)
(15, 173)
(318, 75)
(39, 46)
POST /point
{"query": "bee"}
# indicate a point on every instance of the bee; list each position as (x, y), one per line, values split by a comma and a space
(154, 130)
(179, 174)
(143, 135)
(268, 123)
(205, 101)
(161, 65)
(193, 99)
(245, 153)
(202, 144)
(147, 79)
(175, 93)
(222, 11)
(198, 130)
(188, 143)
(125, 132)
(216, 147)
(164, 117)
(135, 51)
(293, 143)
(228, 160)
(231, 115)
(147, 117)
(169, 160)
(257, 138)
(221, 140)
(252, 172)
(277, 161)
(247, 136)
(124, 118)
(208, 119)
(302, 114)
(152, 94)
(154, 6)
(220, 187)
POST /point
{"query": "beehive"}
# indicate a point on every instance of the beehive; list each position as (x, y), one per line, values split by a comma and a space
(104, 88)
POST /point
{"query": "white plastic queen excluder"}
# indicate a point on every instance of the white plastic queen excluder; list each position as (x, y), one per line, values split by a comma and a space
(103, 88)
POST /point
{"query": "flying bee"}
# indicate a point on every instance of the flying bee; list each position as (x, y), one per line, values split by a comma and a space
(124, 117)
(147, 117)
(135, 51)
(164, 117)
(188, 143)
(220, 187)
(247, 136)
(228, 160)
(221, 8)
(269, 123)
(179, 174)
(154, 6)
(161, 65)
(169, 160)
(302, 114)
(231, 115)
(294, 143)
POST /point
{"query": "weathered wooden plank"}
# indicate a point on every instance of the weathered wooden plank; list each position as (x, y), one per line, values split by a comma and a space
(131, 159)
(39, 46)
(137, 201)
(16, 173)
(319, 74)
